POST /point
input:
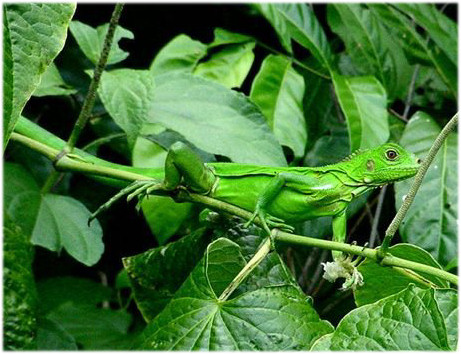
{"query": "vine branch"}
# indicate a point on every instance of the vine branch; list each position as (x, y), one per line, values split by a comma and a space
(393, 227)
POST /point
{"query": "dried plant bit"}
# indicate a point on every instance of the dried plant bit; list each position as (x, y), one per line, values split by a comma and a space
(343, 268)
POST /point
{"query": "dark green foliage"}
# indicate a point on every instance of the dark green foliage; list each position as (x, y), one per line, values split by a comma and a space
(273, 84)
(19, 293)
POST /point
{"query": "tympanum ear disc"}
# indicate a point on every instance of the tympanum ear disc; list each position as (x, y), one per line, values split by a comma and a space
(370, 165)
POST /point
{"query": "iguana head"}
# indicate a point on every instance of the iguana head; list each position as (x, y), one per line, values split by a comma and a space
(384, 164)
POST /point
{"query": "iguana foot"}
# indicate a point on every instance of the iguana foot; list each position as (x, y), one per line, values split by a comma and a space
(269, 222)
(141, 188)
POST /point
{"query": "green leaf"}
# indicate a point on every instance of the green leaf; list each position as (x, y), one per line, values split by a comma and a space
(163, 215)
(229, 66)
(156, 274)
(91, 41)
(56, 291)
(272, 318)
(408, 320)
(19, 293)
(125, 94)
(363, 101)
(52, 84)
(415, 46)
(52, 336)
(73, 305)
(368, 44)
(94, 328)
(441, 29)
(447, 299)
(184, 103)
(51, 221)
(62, 222)
(380, 282)
(431, 220)
(223, 37)
(298, 22)
(21, 197)
(234, 126)
(278, 91)
(181, 54)
(33, 35)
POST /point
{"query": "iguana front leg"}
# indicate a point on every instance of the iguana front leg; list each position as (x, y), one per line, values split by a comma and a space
(339, 232)
(269, 194)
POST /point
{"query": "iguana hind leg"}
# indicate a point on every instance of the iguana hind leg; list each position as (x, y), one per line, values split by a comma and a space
(181, 164)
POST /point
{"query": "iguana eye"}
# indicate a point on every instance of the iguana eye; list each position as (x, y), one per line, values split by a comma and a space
(391, 154)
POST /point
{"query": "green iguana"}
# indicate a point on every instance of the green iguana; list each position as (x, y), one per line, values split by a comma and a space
(280, 196)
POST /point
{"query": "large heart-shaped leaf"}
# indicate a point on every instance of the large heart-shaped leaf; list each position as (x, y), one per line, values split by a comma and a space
(91, 41)
(431, 220)
(156, 274)
(408, 320)
(380, 282)
(271, 318)
(278, 91)
(363, 101)
(447, 299)
(33, 34)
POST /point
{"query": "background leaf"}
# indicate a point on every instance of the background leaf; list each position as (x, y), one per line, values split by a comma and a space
(181, 54)
(298, 22)
(367, 42)
(363, 101)
(52, 84)
(156, 274)
(415, 46)
(91, 41)
(278, 91)
(229, 66)
(19, 293)
(234, 126)
(125, 94)
(257, 320)
(380, 282)
(62, 222)
(35, 34)
(447, 300)
(408, 320)
(431, 220)
(439, 27)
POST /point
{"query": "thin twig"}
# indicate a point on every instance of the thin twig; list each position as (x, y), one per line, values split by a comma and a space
(91, 96)
(374, 226)
(318, 271)
(411, 91)
(88, 103)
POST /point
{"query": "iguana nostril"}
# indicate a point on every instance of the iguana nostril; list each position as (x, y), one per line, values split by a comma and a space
(419, 161)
